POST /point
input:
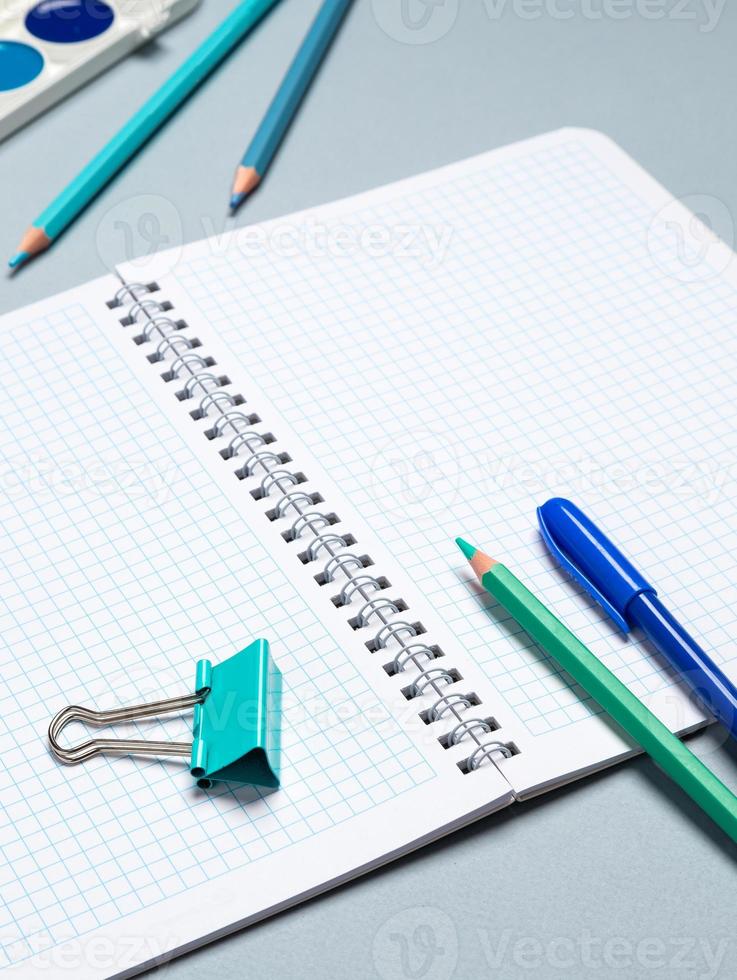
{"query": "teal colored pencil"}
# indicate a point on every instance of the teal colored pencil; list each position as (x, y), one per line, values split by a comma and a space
(265, 143)
(139, 128)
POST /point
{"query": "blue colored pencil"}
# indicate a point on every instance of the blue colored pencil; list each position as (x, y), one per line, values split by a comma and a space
(282, 110)
(139, 128)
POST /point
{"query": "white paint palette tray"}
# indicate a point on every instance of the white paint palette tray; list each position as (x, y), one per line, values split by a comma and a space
(51, 47)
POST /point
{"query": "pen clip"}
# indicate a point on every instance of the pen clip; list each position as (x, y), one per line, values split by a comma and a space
(577, 575)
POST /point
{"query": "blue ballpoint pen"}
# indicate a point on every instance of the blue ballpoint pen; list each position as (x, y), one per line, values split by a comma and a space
(612, 580)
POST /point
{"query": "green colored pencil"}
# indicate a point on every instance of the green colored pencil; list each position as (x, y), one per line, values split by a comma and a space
(639, 722)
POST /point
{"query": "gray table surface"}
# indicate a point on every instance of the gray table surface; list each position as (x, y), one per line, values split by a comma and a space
(618, 875)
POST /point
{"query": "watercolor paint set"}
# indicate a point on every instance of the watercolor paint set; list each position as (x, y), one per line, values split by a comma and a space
(51, 47)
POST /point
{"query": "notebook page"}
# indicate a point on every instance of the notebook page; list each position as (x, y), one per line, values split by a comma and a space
(125, 556)
(456, 348)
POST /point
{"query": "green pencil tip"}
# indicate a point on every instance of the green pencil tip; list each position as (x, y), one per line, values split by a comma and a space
(468, 549)
(18, 259)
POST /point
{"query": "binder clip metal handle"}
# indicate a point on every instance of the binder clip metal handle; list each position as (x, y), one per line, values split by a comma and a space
(236, 727)
(118, 746)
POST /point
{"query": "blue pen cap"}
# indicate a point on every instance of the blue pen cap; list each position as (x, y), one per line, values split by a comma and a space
(591, 559)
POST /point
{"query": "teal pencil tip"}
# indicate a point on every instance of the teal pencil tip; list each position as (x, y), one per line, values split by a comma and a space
(18, 259)
(468, 549)
(236, 201)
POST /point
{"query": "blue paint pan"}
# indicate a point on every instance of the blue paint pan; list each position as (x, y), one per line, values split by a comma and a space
(51, 47)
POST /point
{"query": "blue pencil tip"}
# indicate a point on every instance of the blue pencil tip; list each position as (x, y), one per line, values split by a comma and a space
(18, 259)
(236, 201)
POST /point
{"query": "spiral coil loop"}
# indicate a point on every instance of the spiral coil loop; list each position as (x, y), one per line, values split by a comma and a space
(487, 751)
(400, 636)
(427, 677)
(373, 608)
(464, 728)
(164, 326)
(255, 460)
(394, 631)
(292, 499)
(200, 380)
(171, 345)
(184, 362)
(142, 310)
(323, 541)
(230, 420)
(410, 655)
(355, 585)
(447, 703)
(308, 522)
(338, 563)
(244, 439)
(213, 399)
(129, 291)
(273, 480)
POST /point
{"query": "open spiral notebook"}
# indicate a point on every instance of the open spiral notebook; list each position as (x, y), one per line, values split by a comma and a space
(279, 434)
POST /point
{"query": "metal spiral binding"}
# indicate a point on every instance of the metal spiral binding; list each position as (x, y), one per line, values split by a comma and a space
(184, 364)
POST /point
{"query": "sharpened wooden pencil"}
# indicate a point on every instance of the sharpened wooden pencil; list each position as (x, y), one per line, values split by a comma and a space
(673, 757)
(286, 102)
(139, 128)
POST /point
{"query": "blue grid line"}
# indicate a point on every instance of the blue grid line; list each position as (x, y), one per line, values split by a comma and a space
(93, 804)
(509, 325)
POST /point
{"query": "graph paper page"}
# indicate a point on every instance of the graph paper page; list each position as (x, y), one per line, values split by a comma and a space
(457, 348)
(126, 554)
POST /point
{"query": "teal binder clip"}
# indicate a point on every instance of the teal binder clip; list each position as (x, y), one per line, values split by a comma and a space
(236, 733)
